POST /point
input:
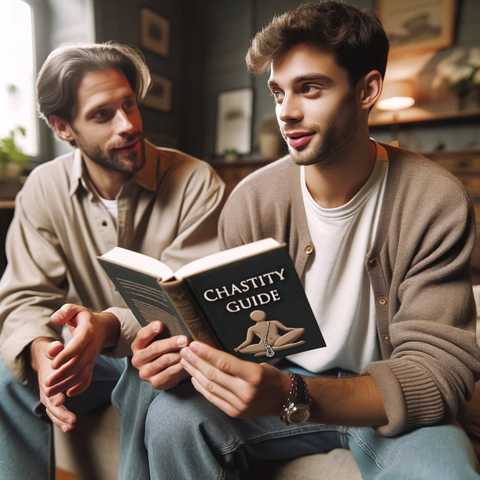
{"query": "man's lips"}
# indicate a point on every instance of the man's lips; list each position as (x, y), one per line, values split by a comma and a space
(129, 147)
(298, 139)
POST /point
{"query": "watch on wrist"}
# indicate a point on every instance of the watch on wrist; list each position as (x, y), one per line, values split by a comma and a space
(297, 407)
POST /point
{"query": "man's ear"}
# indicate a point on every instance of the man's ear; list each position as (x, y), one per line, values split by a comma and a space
(62, 128)
(370, 89)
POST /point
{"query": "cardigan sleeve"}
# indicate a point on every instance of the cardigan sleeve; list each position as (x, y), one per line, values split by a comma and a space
(424, 274)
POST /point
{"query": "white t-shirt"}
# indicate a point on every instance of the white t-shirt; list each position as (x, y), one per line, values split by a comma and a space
(112, 208)
(336, 281)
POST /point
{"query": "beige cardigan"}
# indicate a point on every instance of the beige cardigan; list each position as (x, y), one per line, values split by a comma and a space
(419, 268)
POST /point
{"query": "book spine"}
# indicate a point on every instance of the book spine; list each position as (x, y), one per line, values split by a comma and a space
(189, 312)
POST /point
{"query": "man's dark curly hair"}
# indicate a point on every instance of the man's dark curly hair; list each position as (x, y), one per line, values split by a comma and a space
(355, 37)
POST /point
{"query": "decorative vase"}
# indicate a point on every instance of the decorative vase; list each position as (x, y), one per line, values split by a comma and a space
(270, 144)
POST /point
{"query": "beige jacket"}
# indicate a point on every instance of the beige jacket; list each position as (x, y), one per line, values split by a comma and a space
(169, 210)
(419, 268)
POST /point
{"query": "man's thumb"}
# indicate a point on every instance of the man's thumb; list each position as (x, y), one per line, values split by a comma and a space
(65, 314)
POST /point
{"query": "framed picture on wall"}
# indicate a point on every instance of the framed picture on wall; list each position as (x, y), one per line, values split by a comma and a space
(159, 96)
(234, 121)
(154, 32)
(417, 26)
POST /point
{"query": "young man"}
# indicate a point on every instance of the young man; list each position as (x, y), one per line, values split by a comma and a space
(115, 188)
(381, 238)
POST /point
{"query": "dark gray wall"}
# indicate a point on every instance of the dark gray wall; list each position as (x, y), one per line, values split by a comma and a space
(119, 20)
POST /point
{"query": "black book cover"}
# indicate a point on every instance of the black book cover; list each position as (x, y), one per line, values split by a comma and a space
(257, 307)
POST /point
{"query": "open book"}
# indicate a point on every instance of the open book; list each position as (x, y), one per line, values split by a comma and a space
(247, 300)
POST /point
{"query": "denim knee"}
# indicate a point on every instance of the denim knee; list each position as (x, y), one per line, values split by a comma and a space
(178, 412)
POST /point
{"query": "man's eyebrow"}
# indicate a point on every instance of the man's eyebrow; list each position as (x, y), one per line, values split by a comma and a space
(106, 104)
(305, 78)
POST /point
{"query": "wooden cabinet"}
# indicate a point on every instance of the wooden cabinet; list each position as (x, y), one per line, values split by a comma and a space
(234, 171)
(6, 216)
(465, 164)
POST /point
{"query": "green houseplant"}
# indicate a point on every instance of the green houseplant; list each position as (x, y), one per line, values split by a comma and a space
(460, 71)
(10, 153)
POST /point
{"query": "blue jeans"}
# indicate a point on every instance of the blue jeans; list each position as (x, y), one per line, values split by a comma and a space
(178, 435)
(26, 433)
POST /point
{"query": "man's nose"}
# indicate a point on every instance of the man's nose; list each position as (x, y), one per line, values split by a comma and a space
(123, 123)
(290, 109)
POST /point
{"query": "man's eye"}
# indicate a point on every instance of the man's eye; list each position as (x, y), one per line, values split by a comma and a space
(278, 94)
(101, 115)
(129, 105)
(309, 89)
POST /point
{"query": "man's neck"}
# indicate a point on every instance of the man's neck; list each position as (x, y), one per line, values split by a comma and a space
(336, 184)
(107, 182)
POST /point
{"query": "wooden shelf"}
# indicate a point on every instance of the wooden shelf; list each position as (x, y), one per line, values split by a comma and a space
(7, 204)
(420, 117)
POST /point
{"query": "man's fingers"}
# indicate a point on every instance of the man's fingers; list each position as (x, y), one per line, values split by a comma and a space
(72, 368)
(223, 361)
(54, 349)
(168, 378)
(66, 313)
(72, 374)
(142, 356)
(146, 335)
(158, 365)
(211, 383)
(78, 345)
(58, 399)
(226, 405)
(59, 415)
(62, 418)
(82, 386)
(69, 382)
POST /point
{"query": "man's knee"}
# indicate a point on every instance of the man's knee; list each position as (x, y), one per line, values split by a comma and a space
(180, 411)
(14, 391)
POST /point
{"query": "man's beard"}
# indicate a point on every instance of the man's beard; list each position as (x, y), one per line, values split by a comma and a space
(337, 133)
(127, 163)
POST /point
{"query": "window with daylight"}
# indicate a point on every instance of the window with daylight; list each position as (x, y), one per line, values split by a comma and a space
(17, 74)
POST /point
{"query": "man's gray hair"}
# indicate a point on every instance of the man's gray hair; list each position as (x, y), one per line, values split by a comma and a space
(64, 68)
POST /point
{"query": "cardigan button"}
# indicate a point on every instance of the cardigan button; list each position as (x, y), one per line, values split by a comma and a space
(308, 249)
(382, 301)
(386, 338)
(104, 223)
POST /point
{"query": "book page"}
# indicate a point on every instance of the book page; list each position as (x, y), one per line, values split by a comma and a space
(227, 256)
(138, 261)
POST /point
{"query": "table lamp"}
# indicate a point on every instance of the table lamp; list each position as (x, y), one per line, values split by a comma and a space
(396, 96)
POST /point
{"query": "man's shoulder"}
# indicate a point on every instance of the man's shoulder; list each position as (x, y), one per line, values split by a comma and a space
(181, 158)
(186, 166)
(418, 173)
(273, 178)
(55, 172)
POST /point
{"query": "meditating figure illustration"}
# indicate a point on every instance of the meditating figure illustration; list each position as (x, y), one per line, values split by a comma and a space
(270, 340)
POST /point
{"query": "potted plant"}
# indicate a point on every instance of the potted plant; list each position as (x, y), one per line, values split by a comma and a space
(460, 71)
(12, 163)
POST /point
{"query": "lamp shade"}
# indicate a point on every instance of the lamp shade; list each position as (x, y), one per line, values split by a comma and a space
(396, 96)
